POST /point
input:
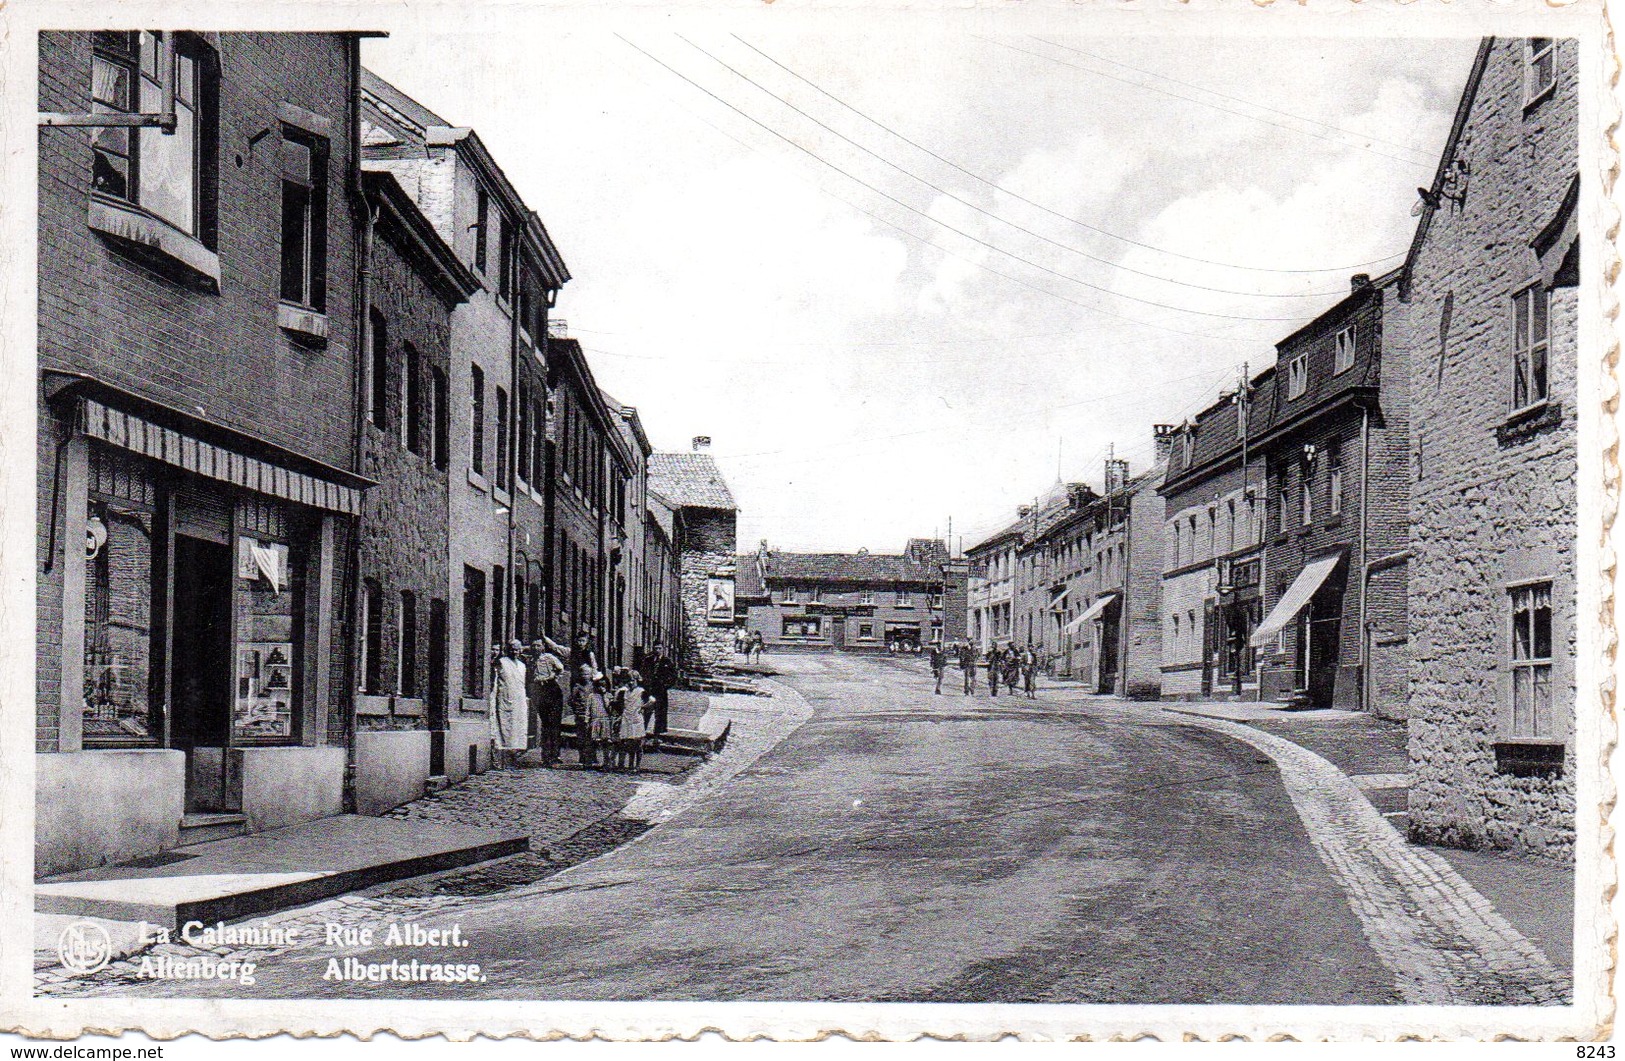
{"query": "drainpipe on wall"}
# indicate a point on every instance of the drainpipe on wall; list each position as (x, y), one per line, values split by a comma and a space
(1365, 467)
(363, 345)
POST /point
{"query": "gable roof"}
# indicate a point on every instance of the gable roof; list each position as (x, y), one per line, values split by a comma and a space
(841, 567)
(690, 480)
(1431, 201)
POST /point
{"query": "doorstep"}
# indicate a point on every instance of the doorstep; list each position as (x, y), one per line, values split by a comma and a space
(221, 880)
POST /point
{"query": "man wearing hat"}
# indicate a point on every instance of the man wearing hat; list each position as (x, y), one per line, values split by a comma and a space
(546, 700)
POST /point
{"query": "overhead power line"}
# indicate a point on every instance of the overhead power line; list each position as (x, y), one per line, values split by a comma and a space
(1065, 217)
(961, 232)
(915, 236)
(1205, 103)
(1240, 99)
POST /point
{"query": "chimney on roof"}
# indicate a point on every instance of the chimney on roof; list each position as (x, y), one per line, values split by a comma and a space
(1163, 434)
(1359, 282)
(701, 443)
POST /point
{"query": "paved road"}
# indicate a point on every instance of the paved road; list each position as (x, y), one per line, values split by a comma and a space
(905, 846)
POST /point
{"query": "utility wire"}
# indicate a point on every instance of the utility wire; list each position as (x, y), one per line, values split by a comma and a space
(1236, 99)
(1056, 213)
(987, 213)
(818, 158)
(1206, 103)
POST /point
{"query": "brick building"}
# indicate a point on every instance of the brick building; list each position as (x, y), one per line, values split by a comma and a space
(704, 538)
(1332, 440)
(1491, 286)
(412, 282)
(990, 598)
(1078, 577)
(497, 394)
(198, 485)
(660, 597)
(847, 602)
(1213, 565)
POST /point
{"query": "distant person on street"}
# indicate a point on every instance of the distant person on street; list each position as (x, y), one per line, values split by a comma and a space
(967, 666)
(995, 664)
(629, 728)
(1012, 668)
(546, 701)
(938, 665)
(510, 709)
(662, 676)
(581, 709)
(1029, 672)
(753, 652)
(601, 728)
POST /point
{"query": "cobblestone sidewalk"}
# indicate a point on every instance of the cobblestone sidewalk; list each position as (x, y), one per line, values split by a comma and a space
(1444, 943)
(572, 816)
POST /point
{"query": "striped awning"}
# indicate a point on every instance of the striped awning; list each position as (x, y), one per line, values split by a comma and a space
(1089, 613)
(1294, 599)
(131, 432)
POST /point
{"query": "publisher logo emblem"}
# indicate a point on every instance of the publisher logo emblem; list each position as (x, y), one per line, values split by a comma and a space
(84, 947)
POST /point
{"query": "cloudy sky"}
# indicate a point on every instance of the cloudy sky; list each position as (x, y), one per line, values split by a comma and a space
(913, 275)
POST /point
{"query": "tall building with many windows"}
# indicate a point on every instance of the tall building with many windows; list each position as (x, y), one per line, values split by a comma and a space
(198, 476)
(1491, 287)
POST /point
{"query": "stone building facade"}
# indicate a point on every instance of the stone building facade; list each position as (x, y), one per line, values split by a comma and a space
(412, 283)
(1491, 287)
(990, 587)
(198, 483)
(705, 541)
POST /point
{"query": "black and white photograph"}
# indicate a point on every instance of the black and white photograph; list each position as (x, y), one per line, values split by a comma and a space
(1044, 522)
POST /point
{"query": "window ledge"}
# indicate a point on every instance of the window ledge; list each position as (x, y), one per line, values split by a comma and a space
(371, 705)
(305, 323)
(1529, 421)
(1538, 98)
(157, 243)
(1530, 757)
(411, 707)
(476, 480)
(502, 496)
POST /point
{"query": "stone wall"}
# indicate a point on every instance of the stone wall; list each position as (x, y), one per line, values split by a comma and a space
(1493, 497)
(708, 544)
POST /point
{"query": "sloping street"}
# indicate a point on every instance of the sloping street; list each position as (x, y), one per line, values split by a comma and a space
(902, 845)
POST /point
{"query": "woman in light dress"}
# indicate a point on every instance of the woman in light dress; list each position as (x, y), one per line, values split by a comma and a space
(510, 708)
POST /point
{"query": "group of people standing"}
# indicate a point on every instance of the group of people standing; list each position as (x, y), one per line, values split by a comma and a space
(613, 716)
(749, 645)
(1006, 664)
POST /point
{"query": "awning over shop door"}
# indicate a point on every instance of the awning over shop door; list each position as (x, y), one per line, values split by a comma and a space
(1293, 600)
(1089, 613)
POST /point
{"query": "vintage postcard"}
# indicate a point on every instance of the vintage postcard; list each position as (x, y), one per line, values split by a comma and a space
(1070, 521)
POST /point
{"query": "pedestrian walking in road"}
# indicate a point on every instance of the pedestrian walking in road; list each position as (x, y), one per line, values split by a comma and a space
(546, 701)
(1029, 672)
(939, 663)
(756, 645)
(510, 709)
(581, 710)
(995, 666)
(967, 666)
(1012, 668)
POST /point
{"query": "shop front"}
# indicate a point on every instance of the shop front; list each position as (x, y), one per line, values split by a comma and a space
(197, 634)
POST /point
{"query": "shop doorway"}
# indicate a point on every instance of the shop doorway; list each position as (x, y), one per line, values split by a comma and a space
(1109, 621)
(200, 674)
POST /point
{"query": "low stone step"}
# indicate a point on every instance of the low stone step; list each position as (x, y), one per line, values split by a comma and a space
(201, 828)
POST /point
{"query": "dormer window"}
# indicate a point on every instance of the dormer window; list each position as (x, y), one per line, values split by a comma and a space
(1540, 69)
(1345, 350)
(1297, 376)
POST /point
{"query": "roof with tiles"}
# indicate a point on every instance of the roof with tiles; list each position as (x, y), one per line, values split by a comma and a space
(843, 567)
(690, 480)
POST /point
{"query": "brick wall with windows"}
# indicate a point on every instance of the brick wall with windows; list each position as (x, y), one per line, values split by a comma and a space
(174, 292)
(1493, 468)
(405, 518)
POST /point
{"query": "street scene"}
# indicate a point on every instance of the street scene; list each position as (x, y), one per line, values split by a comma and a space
(743, 530)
